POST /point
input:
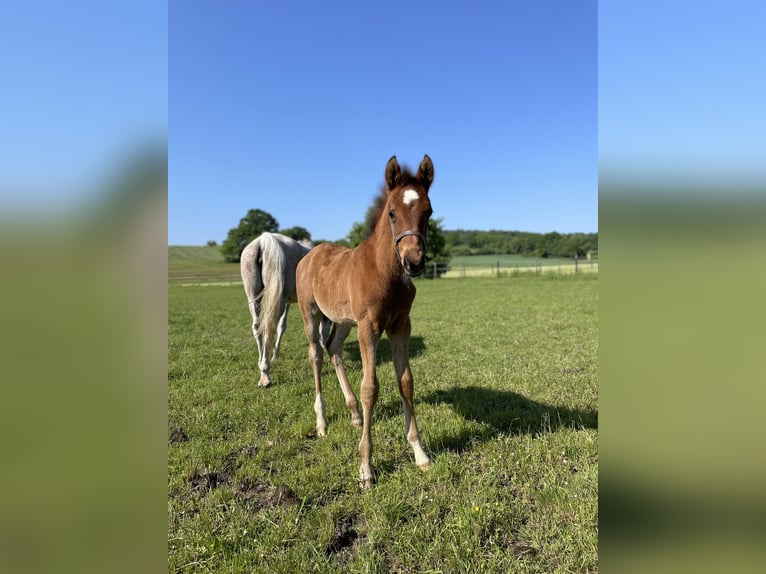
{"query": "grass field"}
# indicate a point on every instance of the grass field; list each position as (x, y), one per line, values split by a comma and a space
(505, 264)
(195, 265)
(506, 396)
(199, 264)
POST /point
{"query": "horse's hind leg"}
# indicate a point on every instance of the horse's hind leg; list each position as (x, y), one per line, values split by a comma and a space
(253, 306)
(263, 362)
(334, 344)
(311, 319)
(253, 284)
(281, 327)
(400, 354)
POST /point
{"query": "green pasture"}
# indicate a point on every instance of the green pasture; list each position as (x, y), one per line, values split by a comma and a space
(194, 253)
(506, 396)
(506, 264)
(192, 265)
(199, 264)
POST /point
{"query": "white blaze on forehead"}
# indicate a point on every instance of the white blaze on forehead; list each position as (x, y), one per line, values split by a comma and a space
(409, 196)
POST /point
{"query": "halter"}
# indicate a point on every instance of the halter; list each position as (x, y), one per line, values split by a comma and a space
(403, 234)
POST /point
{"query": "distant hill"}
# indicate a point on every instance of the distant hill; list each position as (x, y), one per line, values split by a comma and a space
(199, 264)
(195, 253)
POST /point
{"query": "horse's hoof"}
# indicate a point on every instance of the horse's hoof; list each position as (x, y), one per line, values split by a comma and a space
(425, 466)
(366, 479)
(356, 423)
(321, 431)
(264, 385)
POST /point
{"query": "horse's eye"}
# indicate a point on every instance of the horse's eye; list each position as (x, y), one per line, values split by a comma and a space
(391, 214)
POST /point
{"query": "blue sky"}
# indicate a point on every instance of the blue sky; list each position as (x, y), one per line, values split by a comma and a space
(295, 108)
(83, 85)
(682, 86)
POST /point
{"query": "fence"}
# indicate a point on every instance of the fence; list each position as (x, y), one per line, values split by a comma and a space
(205, 279)
(447, 271)
(501, 269)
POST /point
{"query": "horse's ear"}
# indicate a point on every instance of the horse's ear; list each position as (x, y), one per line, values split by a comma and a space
(392, 172)
(426, 170)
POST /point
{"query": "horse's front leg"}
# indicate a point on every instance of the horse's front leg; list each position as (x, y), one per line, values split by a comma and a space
(400, 353)
(368, 345)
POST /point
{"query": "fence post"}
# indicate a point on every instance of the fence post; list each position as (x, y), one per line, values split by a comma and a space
(575, 262)
(498, 268)
(434, 269)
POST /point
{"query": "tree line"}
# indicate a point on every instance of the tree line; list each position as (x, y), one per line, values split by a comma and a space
(553, 244)
(442, 244)
(256, 221)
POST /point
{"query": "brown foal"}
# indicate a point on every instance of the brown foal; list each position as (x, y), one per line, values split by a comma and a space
(370, 286)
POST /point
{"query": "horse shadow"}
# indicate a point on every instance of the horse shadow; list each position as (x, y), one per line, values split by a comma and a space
(500, 412)
(353, 357)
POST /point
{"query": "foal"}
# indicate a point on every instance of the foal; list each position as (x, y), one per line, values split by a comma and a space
(370, 286)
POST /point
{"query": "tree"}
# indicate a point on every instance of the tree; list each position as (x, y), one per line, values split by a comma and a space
(437, 251)
(359, 229)
(548, 244)
(298, 233)
(356, 235)
(251, 226)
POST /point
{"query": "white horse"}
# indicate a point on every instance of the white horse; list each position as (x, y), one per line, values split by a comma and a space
(268, 273)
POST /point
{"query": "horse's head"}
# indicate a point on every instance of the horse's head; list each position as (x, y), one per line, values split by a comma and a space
(408, 210)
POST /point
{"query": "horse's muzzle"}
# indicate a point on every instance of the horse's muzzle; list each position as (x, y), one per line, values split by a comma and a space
(414, 266)
(411, 251)
(414, 269)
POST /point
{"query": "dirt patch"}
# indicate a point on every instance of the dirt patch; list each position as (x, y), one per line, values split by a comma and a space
(252, 490)
(258, 494)
(396, 566)
(204, 482)
(523, 551)
(284, 496)
(178, 435)
(232, 461)
(346, 534)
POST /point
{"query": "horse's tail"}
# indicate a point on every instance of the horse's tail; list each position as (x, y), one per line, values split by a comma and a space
(326, 333)
(273, 270)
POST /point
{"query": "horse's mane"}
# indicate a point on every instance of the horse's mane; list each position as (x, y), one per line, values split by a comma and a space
(405, 178)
